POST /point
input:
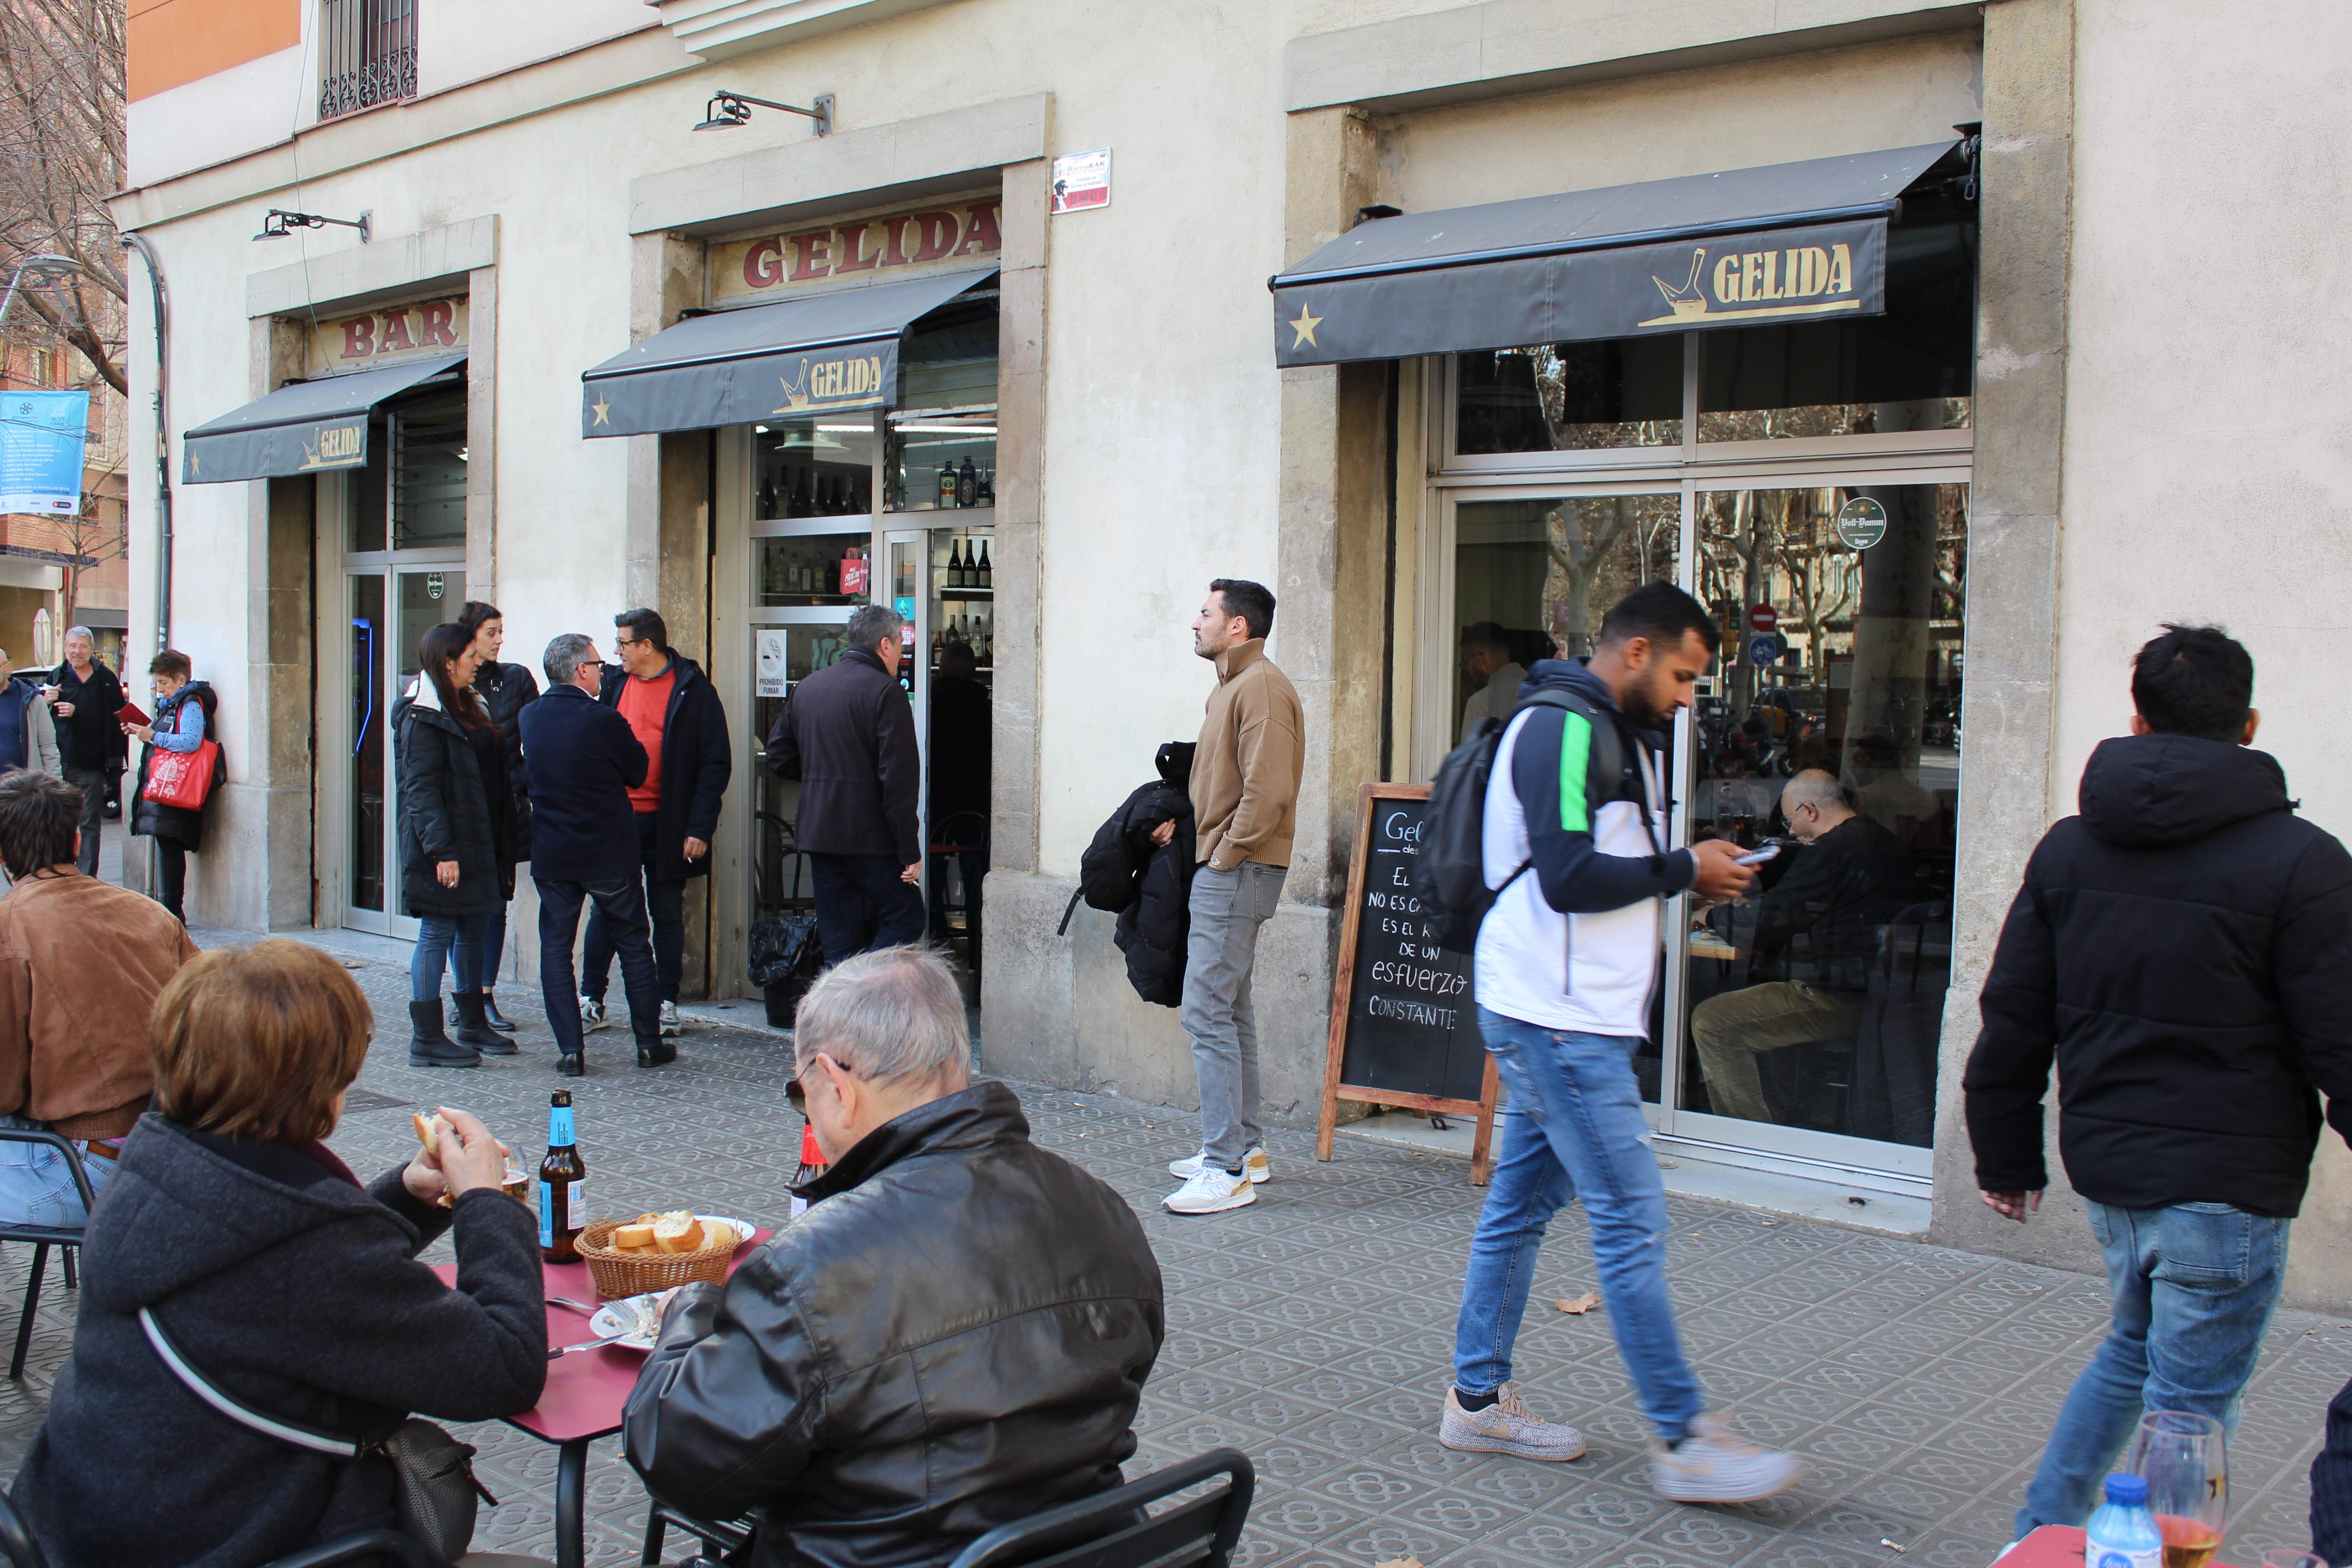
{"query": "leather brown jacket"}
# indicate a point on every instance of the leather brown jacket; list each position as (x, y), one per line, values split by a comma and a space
(954, 1336)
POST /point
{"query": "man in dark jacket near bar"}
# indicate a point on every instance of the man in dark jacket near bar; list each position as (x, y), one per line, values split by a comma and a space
(675, 714)
(2183, 949)
(847, 734)
(88, 697)
(954, 1336)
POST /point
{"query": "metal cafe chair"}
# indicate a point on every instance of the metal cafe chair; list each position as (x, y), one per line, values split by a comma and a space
(18, 1548)
(43, 1237)
(1109, 1529)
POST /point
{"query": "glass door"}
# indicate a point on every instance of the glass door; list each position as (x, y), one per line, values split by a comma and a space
(1812, 1009)
(391, 607)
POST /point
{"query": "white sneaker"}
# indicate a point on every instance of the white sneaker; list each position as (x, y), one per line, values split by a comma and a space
(668, 1018)
(1505, 1427)
(592, 1014)
(1716, 1464)
(1211, 1191)
(1254, 1165)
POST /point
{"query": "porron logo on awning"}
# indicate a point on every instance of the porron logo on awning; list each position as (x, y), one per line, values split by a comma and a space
(823, 383)
(1758, 285)
(335, 446)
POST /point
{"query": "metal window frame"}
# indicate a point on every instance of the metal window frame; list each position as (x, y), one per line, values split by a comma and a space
(367, 54)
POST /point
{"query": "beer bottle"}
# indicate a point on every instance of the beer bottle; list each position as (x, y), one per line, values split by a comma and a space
(812, 1166)
(562, 1183)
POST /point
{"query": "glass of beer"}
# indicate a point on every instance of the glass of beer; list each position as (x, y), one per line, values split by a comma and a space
(2185, 1462)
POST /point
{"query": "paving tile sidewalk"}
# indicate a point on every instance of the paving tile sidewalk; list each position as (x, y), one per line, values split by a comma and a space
(1313, 1330)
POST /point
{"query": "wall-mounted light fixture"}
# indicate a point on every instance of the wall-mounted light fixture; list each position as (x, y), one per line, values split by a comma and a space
(278, 223)
(727, 110)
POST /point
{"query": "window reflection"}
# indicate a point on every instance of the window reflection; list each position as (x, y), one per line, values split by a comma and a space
(813, 467)
(1563, 398)
(1817, 1002)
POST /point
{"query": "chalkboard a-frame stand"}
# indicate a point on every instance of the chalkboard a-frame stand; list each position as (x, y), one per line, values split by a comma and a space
(1405, 1024)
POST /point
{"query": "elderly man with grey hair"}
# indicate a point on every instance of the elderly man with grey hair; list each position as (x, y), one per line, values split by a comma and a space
(955, 1335)
(582, 759)
(847, 734)
(84, 698)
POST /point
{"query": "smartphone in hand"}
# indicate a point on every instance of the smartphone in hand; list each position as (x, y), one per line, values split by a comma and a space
(1757, 856)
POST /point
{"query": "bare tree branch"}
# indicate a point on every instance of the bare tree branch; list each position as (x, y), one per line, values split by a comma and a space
(61, 155)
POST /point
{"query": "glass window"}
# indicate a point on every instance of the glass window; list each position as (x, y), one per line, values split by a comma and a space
(368, 488)
(809, 568)
(1909, 369)
(428, 472)
(1565, 397)
(1817, 1002)
(942, 437)
(813, 467)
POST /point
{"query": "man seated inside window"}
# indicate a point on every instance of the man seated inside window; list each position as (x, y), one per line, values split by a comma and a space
(954, 1336)
(1847, 880)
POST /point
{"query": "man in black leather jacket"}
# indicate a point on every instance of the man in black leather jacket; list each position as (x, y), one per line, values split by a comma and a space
(955, 1335)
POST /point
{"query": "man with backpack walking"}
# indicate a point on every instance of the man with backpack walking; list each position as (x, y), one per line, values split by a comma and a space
(1572, 838)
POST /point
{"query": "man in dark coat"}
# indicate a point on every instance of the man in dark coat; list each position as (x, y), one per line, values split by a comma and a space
(88, 697)
(847, 734)
(2183, 950)
(955, 1335)
(675, 714)
(584, 761)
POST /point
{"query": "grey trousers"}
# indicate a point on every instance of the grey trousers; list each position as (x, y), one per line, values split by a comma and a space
(92, 785)
(1733, 1029)
(1227, 908)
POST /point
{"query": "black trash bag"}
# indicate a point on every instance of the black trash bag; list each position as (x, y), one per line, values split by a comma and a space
(786, 958)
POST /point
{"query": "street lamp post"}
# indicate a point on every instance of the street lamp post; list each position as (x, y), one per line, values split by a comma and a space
(40, 261)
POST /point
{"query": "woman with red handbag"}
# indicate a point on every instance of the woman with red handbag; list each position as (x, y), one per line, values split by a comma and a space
(184, 712)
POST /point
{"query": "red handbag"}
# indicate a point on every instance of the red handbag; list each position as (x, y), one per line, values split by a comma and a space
(184, 779)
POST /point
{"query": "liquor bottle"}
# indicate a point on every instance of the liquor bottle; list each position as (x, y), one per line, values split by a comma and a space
(768, 497)
(832, 577)
(947, 485)
(985, 576)
(939, 646)
(812, 1167)
(988, 486)
(562, 1183)
(968, 485)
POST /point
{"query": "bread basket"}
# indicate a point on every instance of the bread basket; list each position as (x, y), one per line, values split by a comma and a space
(619, 1274)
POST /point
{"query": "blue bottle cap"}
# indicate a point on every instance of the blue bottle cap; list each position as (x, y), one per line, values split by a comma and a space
(2127, 1490)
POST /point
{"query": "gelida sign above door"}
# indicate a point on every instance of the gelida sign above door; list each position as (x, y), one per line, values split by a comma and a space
(393, 334)
(959, 234)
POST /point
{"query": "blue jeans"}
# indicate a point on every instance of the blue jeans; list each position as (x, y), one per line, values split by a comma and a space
(456, 942)
(36, 1188)
(2192, 1290)
(1573, 1127)
(494, 946)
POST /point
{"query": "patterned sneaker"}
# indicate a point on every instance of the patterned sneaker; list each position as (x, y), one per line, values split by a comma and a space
(669, 1024)
(591, 1015)
(1212, 1191)
(1716, 1464)
(1505, 1427)
(1254, 1165)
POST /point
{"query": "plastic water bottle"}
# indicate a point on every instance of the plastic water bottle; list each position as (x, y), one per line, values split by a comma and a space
(2123, 1534)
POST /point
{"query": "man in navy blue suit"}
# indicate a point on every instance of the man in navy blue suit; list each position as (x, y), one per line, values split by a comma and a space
(583, 760)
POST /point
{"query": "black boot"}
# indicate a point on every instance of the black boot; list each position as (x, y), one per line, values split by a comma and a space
(572, 1064)
(496, 1019)
(654, 1052)
(475, 1030)
(429, 1046)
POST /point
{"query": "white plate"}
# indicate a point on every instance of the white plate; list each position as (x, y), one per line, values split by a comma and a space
(744, 1228)
(632, 1313)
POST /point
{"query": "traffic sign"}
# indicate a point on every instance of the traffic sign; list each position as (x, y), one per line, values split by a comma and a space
(1763, 618)
(1763, 650)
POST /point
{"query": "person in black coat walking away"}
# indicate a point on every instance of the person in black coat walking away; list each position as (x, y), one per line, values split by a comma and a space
(675, 712)
(584, 760)
(183, 717)
(86, 698)
(847, 734)
(506, 689)
(281, 1280)
(2183, 949)
(456, 862)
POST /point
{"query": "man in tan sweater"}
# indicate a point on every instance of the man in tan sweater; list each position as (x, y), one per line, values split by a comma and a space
(1245, 789)
(80, 965)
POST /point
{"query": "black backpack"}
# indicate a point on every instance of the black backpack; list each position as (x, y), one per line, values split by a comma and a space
(1449, 876)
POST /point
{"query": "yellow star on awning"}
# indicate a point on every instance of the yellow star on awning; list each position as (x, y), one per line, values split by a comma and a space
(1304, 327)
(196, 461)
(602, 408)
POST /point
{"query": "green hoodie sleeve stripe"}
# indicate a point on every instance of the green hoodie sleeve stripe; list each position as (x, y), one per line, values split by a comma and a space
(1575, 754)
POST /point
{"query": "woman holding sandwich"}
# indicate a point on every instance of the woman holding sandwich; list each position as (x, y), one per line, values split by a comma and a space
(280, 1279)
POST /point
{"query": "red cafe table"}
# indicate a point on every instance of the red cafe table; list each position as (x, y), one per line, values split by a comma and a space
(2055, 1546)
(585, 1394)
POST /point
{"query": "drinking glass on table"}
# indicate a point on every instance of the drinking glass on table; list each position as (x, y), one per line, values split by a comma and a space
(2292, 1557)
(2184, 1460)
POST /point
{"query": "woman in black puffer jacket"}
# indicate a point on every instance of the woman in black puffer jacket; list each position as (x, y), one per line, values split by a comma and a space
(506, 689)
(457, 865)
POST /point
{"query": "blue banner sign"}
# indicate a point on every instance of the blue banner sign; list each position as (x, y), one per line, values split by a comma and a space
(41, 438)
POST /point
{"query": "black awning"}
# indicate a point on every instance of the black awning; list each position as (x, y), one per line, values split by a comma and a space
(303, 427)
(833, 350)
(1786, 242)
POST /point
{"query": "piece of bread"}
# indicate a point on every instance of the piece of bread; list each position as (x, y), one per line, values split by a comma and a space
(430, 1128)
(678, 1232)
(636, 1237)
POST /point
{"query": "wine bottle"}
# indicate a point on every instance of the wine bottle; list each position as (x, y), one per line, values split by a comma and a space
(968, 485)
(768, 497)
(812, 1165)
(988, 486)
(984, 577)
(832, 577)
(947, 485)
(798, 505)
(562, 1183)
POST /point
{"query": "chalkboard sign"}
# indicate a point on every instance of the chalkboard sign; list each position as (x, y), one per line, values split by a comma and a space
(1405, 1017)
